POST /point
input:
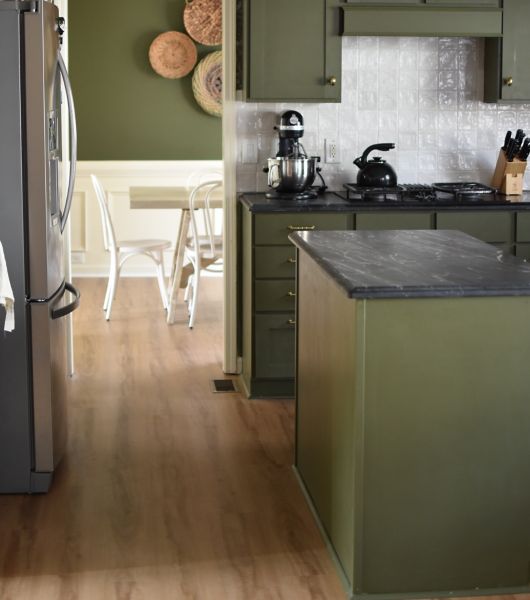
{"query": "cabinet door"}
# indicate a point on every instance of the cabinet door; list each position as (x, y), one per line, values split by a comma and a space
(488, 227)
(274, 345)
(523, 227)
(294, 50)
(515, 63)
(506, 67)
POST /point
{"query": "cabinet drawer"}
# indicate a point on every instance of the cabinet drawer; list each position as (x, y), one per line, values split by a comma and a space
(523, 227)
(275, 295)
(488, 227)
(274, 262)
(274, 228)
(394, 220)
(274, 345)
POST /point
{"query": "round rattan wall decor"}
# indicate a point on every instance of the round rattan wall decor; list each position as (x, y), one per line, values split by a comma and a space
(203, 21)
(172, 54)
(207, 83)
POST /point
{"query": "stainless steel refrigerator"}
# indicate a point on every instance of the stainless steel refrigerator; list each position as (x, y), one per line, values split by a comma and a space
(34, 210)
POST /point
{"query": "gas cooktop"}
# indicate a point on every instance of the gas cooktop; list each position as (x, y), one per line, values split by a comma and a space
(437, 193)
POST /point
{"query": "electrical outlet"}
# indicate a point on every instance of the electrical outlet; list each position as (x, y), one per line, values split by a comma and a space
(332, 151)
(250, 152)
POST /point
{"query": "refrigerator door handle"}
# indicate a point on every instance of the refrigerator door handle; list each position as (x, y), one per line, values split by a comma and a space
(73, 140)
(62, 311)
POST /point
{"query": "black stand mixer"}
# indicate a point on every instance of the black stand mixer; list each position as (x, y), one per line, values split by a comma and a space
(292, 173)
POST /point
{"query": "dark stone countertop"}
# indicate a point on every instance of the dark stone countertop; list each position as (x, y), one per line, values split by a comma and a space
(257, 202)
(414, 264)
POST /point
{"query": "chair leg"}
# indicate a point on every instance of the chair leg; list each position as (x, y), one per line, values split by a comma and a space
(188, 288)
(109, 284)
(115, 273)
(161, 280)
(107, 291)
(195, 296)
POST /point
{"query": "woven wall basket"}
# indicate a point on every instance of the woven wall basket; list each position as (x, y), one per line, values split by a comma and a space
(172, 54)
(207, 83)
(203, 21)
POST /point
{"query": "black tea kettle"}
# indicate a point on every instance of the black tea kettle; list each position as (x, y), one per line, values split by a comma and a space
(375, 172)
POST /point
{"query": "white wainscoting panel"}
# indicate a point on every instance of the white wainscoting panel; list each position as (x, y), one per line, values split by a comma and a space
(88, 254)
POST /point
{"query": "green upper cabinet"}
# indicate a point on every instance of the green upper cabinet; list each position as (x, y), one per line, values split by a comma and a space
(293, 50)
(507, 69)
(477, 18)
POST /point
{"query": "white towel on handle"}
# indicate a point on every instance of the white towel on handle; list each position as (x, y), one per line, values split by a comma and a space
(6, 293)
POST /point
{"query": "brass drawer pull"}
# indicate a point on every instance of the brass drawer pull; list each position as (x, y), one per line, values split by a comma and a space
(508, 81)
(291, 294)
(291, 322)
(291, 260)
(301, 227)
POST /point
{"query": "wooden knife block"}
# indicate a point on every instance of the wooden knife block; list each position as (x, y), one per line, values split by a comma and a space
(508, 177)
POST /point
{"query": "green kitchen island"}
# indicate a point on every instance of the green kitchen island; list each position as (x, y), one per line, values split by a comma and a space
(413, 410)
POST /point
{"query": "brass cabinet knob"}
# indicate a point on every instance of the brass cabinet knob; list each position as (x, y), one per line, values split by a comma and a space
(332, 80)
(508, 81)
(291, 261)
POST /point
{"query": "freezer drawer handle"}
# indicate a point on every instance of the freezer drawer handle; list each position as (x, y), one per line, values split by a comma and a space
(57, 313)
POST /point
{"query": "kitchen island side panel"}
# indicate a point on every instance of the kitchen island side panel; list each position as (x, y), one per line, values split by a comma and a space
(325, 409)
(447, 450)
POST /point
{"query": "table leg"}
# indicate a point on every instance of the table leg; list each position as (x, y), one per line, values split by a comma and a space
(176, 267)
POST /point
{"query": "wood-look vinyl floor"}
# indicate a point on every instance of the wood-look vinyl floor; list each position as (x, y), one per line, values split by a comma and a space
(168, 492)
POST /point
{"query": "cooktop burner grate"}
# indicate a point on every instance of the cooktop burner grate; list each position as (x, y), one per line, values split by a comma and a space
(437, 193)
(464, 188)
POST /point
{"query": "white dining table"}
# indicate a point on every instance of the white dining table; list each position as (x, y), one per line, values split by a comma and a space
(160, 197)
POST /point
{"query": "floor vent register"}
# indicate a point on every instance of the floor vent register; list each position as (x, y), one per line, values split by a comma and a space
(223, 386)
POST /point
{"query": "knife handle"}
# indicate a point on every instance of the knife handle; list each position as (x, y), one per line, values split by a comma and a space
(507, 140)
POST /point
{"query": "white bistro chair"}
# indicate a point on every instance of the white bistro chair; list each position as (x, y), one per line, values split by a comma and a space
(204, 247)
(121, 250)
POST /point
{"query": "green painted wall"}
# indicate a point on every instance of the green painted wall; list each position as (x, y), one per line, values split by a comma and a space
(125, 110)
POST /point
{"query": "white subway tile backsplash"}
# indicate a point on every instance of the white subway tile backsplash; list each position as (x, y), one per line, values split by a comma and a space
(448, 120)
(428, 79)
(424, 94)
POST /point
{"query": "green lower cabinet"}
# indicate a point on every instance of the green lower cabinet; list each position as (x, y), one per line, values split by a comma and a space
(394, 220)
(412, 438)
(274, 345)
(274, 295)
(274, 262)
(523, 251)
(522, 228)
(494, 226)
(268, 267)
(267, 296)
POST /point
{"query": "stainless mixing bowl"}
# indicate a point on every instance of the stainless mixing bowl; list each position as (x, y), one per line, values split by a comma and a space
(291, 174)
